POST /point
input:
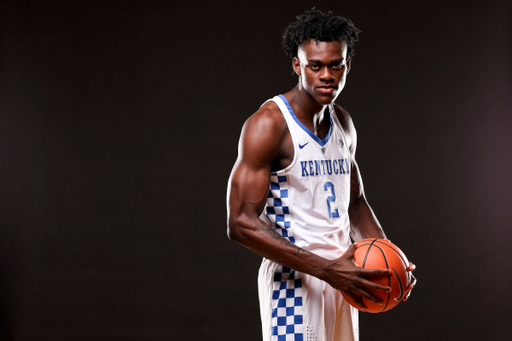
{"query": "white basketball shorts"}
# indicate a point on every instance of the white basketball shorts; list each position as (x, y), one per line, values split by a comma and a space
(299, 307)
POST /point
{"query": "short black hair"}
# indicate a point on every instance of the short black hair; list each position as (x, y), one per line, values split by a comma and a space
(319, 26)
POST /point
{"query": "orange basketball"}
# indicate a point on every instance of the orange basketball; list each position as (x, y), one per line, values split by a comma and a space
(382, 254)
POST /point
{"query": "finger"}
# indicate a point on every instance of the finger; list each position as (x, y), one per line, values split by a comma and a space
(357, 299)
(413, 282)
(411, 267)
(365, 284)
(408, 293)
(406, 297)
(350, 250)
(368, 296)
(360, 302)
(374, 272)
(409, 289)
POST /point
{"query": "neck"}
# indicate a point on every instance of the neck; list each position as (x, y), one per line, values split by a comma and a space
(305, 106)
(311, 113)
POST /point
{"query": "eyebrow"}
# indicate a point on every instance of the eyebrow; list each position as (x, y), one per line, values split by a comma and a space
(331, 62)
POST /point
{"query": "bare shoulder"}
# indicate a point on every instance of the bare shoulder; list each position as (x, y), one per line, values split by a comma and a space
(263, 133)
(348, 126)
(268, 116)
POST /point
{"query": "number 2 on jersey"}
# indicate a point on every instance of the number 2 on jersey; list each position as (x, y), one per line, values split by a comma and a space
(331, 200)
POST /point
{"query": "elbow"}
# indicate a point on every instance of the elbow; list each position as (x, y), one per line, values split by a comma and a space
(236, 231)
(233, 231)
(233, 235)
(236, 235)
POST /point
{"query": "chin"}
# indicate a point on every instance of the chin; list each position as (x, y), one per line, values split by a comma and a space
(326, 100)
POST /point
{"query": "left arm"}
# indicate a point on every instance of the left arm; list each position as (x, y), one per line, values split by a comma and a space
(363, 222)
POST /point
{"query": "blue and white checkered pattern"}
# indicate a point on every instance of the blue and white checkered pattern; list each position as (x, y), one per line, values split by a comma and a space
(277, 205)
(287, 320)
(287, 316)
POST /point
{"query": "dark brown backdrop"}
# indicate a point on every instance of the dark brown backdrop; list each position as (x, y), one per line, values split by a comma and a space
(118, 129)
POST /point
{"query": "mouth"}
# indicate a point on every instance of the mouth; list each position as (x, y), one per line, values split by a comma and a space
(326, 89)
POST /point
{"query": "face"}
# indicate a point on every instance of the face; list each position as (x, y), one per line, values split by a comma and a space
(322, 68)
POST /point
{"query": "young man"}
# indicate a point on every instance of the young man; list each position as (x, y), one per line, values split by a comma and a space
(295, 195)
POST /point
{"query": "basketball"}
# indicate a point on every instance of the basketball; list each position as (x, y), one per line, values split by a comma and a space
(382, 254)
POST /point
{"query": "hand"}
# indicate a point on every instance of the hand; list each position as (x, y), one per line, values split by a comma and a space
(345, 275)
(410, 268)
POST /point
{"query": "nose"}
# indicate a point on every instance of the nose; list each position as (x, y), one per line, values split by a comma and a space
(327, 74)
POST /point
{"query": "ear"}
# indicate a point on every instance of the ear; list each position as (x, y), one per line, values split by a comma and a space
(349, 64)
(296, 65)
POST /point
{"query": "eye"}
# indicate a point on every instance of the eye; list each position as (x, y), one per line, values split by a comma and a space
(313, 66)
(338, 66)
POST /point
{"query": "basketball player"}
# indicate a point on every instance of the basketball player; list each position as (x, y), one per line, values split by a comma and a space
(295, 194)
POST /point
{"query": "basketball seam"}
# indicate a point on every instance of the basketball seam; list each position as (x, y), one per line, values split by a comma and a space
(403, 262)
(392, 248)
(385, 260)
(389, 276)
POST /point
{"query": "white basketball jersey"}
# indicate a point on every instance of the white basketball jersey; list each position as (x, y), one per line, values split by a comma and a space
(308, 205)
(308, 200)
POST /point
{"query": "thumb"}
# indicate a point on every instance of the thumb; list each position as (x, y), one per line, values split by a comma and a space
(351, 249)
(349, 253)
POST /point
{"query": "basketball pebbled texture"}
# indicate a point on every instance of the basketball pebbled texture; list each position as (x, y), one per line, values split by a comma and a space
(375, 253)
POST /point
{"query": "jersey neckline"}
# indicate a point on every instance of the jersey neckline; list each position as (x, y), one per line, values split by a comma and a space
(306, 129)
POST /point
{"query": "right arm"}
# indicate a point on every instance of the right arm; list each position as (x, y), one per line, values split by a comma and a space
(261, 143)
(248, 189)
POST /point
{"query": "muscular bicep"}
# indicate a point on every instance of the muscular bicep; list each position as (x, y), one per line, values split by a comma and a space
(249, 181)
(248, 188)
(262, 143)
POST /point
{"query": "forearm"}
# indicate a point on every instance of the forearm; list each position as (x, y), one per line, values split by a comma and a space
(363, 222)
(267, 242)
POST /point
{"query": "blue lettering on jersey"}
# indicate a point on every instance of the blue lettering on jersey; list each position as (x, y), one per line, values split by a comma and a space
(304, 164)
(317, 167)
(329, 166)
(324, 167)
(342, 170)
(347, 166)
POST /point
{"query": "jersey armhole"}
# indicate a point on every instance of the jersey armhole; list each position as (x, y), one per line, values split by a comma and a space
(280, 104)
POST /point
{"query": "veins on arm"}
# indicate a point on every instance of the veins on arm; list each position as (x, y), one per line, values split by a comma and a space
(270, 231)
(266, 228)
